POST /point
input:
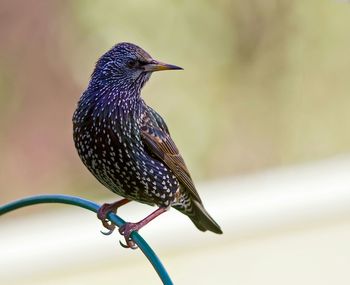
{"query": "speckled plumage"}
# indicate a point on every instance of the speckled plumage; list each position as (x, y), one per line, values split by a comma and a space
(125, 144)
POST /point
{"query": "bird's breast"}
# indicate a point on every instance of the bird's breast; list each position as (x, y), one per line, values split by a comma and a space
(111, 147)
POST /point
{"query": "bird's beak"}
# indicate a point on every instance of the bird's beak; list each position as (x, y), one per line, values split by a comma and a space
(158, 66)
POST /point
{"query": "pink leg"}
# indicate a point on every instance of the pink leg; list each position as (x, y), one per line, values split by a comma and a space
(128, 228)
(105, 209)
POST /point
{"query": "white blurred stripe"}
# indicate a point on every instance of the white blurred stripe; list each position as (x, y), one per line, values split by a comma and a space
(272, 200)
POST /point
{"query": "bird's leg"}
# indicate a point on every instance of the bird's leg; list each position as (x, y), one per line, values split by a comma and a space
(105, 209)
(128, 228)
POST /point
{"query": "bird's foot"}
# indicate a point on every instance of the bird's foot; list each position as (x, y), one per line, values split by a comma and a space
(126, 231)
(104, 210)
(102, 215)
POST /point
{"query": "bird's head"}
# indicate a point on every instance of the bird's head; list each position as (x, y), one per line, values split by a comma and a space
(127, 66)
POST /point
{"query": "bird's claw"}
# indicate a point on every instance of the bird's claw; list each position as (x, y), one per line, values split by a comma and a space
(109, 226)
(126, 231)
(102, 215)
(129, 244)
(107, 233)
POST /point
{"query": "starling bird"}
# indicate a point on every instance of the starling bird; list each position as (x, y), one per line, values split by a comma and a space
(127, 146)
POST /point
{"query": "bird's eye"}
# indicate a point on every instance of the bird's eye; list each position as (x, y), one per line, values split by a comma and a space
(132, 63)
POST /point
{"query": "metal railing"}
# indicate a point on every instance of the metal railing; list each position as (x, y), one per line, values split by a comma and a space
(86, 204)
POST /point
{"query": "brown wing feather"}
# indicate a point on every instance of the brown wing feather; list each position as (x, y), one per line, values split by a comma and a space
(161, 144)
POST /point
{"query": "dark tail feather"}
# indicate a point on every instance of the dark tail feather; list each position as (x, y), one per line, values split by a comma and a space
(202, 220)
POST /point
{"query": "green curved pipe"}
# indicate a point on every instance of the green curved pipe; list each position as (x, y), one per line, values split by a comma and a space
(86, 204)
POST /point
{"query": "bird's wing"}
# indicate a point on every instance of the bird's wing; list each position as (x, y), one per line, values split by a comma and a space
(151, 117)
(156, 137)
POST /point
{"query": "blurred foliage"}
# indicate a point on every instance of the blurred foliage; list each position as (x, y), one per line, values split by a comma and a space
(265, 83)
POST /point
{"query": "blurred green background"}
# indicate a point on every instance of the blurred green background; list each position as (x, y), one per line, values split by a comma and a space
(266, 83)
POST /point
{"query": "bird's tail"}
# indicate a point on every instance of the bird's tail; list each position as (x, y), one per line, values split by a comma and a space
(201, 218)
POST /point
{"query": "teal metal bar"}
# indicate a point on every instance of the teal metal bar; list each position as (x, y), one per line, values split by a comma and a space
(86, 204)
